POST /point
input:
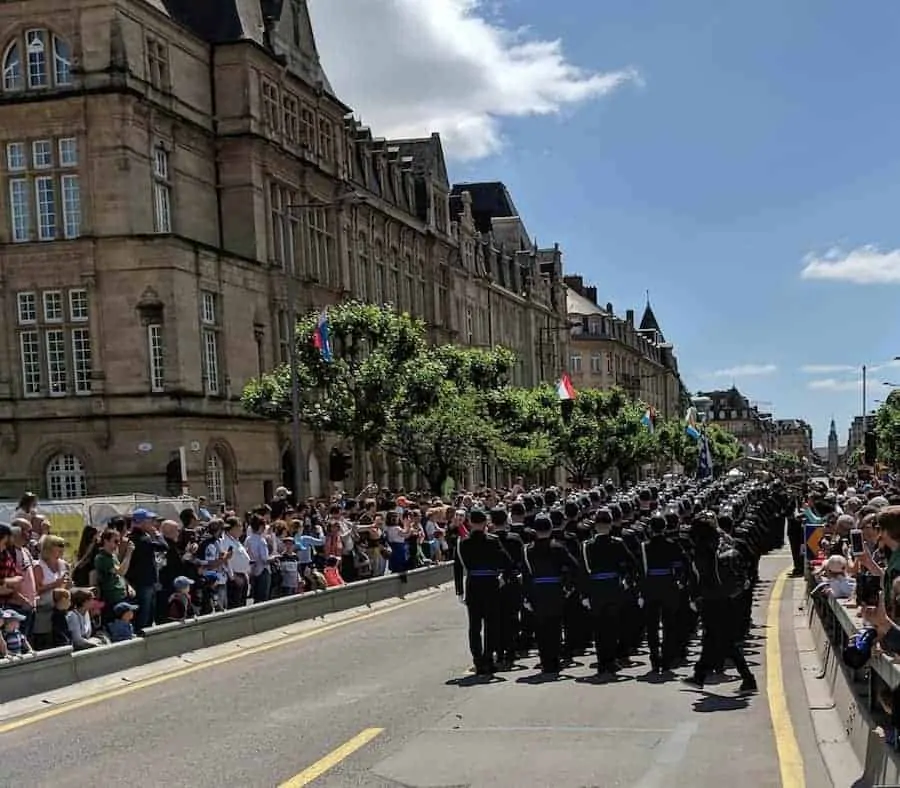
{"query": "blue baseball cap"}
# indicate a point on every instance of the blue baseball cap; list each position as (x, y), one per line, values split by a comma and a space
(142, 515)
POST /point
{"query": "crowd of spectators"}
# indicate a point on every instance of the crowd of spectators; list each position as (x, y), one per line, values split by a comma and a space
(138, 570)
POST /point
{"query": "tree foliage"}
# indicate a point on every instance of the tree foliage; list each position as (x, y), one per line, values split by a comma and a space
(443, 409)
(887, 430)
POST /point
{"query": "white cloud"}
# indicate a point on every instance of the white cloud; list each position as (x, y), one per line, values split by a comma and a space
(410, 67)
(833, 384)
(825, 369)
(866, 265)
(746, 371)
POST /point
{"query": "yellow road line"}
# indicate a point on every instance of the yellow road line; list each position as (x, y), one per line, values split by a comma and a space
(790, 761)
(332, 759)
(100, 697)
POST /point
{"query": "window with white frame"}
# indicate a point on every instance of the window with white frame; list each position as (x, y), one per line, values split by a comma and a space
(284, 336)
(290, 110)
(209, 320)
(44, 192)
(271, 111)
(283, 224)
(55, 357)
(597, 362)
(320, 245)
(162, 191)
(326, 139)
(36, 59)
(156, 356)
(308, 128)
(364, 287)
(215, 478)
(575, 363)
(65, 478)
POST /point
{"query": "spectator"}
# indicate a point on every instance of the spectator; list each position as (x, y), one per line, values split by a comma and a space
(16, 643)
(25, 598)
(78, 620)
(59, 626)
(111, 571)
(10, 579)
(51, 572)
(143, 569)
(172, 565)
(290, 568)
(212, 561)
(121, 628)
(280, 503)
(258, 550)
(332, 572)
(306, 542)
(180, 606)
(238, 566)
(85, 555)
(203, 513)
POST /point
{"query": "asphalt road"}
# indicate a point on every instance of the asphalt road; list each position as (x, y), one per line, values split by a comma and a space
(263, 719)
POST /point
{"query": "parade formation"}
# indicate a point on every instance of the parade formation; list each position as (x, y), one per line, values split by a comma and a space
(608, 569)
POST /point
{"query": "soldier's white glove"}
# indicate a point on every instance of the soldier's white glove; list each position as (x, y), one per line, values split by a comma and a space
(527, 605)
(586, 603)
(641, 602)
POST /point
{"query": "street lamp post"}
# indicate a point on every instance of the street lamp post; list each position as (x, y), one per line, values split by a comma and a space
(293, 357)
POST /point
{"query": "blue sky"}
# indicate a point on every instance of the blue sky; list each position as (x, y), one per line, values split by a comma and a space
(739, 160)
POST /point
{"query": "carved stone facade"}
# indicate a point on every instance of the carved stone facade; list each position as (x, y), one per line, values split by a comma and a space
(167, 165)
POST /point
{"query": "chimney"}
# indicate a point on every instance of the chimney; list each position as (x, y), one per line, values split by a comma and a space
(591, 293)
(575, 282)
(629, 317)
(609, 308)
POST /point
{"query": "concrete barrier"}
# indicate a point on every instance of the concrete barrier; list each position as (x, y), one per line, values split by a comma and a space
(831, 625)
(44, 671)
(56, 668)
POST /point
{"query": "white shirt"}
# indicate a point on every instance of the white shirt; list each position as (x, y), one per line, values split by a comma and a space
(258, 550)
(239, 563)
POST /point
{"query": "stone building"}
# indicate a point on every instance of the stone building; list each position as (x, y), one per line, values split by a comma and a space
(734, 413)
(793, 436)
(606, 350)
(169, 165)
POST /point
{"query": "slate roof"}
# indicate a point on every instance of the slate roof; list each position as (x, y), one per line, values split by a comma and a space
(649, 322)
(489, 200)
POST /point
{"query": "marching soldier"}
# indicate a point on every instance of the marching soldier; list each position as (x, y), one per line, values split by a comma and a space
(547, 565)
(510, 591)
(477, 570)
(608, 564)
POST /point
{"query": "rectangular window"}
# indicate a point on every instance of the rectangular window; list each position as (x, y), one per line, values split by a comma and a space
(270, 107)
(45, 206)
(308, 128)
(284, 336)
(36, 46)
(27, 308)
(81, 360)
(71, 205)
(326, 139)
(79, 309)
(53, 306)
(575, 362)
(42, 154)
(291, 118)
(157, 360)
(55, 343)
(16, 158)
(597, 363)
(157, 64)
(208, 308)
(211, 361)
(68, 152)
(30, 354)
(162, 192)
(19, 210)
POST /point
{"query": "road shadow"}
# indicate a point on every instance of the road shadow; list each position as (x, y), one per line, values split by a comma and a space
(710, 702)
(607, 678)
(544, 678)
(652, 677)
(473, 681)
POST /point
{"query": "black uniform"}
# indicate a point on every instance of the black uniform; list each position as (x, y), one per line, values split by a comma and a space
(477, 569)
(664, 567)
(608, 565)
(547, 566)
(510, 592)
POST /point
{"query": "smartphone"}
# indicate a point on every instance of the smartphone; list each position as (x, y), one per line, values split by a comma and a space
(856, 542)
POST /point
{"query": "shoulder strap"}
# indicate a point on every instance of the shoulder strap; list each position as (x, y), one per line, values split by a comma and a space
(525, 553)
(644, 556)
(584, 555)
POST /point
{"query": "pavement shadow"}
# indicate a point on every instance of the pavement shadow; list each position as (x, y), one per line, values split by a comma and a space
(473, 681)
(710, 702)
(617, 678)
(652, 677)
(544, 678)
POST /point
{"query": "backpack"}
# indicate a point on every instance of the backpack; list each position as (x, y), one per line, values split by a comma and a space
(731, 569)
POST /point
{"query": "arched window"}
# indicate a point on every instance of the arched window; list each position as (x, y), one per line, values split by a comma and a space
(215, 478)
(65, 478)
(35, 60)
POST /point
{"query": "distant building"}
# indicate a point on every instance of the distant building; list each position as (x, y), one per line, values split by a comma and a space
(794, 436)
(733, 412)
(606, 350)
(834, 449)
(857, 431)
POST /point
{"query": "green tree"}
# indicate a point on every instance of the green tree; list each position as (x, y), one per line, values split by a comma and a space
(524, 429)
(887, 430)
(595, 438)
(635, 444)
(674, 445)
(380, 374)
(723, 446)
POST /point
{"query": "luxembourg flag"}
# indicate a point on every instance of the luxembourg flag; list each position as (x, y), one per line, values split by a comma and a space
(564, 389)
(322, 337)
(690, 424)
(649, 419)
